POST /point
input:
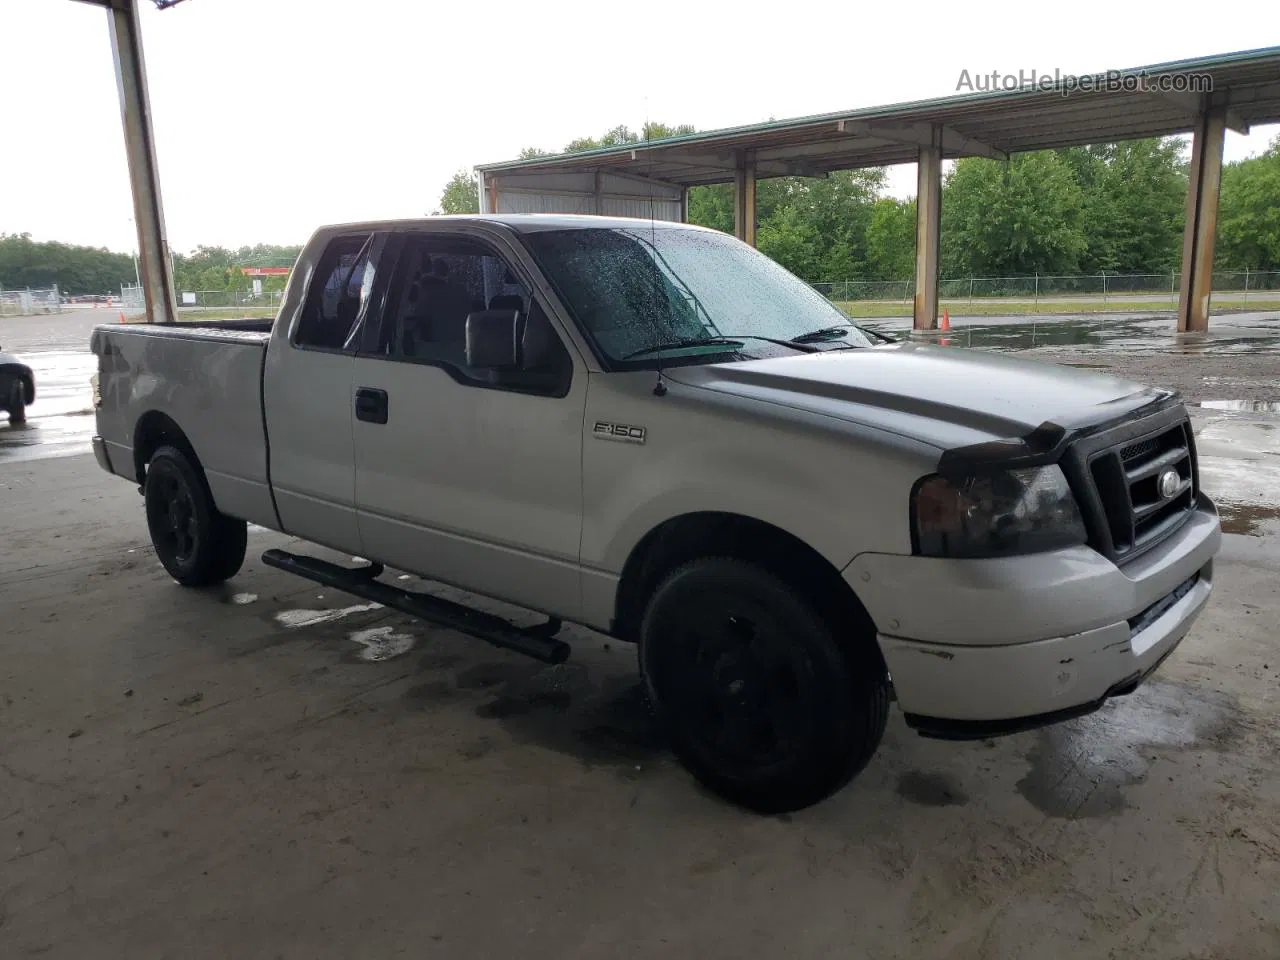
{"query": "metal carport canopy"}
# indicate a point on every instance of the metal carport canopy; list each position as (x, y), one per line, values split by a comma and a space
(1204, 97)
(993, 124)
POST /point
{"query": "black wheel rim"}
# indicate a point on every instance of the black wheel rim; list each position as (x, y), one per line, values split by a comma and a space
(173, 517)
(739, 687)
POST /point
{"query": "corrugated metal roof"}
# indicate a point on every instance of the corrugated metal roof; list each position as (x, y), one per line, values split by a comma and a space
(973, 124)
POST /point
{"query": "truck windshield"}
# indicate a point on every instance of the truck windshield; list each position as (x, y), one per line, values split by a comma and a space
(643, 293)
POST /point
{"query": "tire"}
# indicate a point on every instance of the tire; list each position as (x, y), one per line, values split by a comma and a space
(763, 702)
(17, 401)
(197, 545)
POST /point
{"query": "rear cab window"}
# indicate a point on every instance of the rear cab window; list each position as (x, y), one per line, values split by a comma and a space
(339, 294)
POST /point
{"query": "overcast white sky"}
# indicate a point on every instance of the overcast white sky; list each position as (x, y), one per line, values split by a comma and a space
(274, 117)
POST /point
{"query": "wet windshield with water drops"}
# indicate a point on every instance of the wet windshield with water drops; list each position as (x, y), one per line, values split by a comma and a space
(650, 292)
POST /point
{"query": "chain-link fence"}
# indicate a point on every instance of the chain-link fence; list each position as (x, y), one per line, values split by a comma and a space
(132, 302)
(134, 305)
(229, 300)
(22, 303)
(1245, 285)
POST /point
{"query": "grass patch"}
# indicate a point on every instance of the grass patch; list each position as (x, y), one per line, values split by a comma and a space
(869, 309)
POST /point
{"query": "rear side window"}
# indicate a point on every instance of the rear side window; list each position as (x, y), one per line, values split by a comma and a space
(339, 291)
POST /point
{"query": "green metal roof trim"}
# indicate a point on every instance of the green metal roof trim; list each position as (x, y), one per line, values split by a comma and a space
(899, 111)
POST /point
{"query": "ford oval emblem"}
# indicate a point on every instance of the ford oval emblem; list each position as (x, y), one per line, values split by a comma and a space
(1168, 484)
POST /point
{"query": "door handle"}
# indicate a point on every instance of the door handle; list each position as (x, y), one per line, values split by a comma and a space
(371, 405)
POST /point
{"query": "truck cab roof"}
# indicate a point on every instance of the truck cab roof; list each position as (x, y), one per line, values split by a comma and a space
(520, 222)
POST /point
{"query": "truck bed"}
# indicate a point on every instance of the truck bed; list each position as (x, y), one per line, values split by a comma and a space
(208, 379)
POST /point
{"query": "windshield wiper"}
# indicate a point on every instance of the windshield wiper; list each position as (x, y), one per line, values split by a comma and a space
(736, 340)
(686, 342)
(839, 333)
(825, 333)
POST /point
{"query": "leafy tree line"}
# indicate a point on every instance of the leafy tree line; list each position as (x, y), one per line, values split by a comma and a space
(77, 270)
(1117, 208)
(217, 268)
(1113, 207)
(26, 263)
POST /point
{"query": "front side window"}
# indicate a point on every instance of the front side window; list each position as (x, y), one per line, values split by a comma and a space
(642, 292)
(438, 282)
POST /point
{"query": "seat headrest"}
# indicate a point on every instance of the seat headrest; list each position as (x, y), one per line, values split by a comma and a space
(506, 301)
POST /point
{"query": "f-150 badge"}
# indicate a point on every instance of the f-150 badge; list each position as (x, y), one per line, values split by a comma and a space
(625, 432)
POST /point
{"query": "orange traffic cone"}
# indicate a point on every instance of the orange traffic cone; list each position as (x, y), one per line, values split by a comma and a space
(946, 320)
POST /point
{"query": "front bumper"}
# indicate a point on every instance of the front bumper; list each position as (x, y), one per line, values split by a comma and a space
(980, 647)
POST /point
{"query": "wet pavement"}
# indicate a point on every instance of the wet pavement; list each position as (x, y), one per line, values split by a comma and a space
(60, 422)
(267, 769)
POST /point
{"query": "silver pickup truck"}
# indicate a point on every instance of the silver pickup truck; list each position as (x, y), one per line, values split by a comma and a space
(653, 430)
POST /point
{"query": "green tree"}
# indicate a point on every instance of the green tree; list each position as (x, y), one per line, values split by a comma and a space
(1012, 218)
(661, 131)
(712, 206)
(1133, 195)
(461, 194)
(891, 239)
(1249, 213)
(75, 270)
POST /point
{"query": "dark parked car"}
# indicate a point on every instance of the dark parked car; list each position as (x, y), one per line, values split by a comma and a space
(17, 387)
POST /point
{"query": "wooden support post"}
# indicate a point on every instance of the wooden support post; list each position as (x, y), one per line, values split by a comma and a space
(155, 264)
(744, 198)
(928, 228)
(1204, 177)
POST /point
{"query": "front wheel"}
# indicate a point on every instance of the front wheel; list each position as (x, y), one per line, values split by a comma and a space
(197, 545)
(764, 703)
(17, 401)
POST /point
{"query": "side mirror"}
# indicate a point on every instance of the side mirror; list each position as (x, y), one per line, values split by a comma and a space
(493, 339)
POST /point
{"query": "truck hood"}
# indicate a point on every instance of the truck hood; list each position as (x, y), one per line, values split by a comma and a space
(945, 396)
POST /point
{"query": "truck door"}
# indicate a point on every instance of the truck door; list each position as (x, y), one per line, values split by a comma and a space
(307, 395)
(469, 476)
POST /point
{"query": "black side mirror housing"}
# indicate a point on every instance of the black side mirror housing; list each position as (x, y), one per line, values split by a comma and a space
(494, 339)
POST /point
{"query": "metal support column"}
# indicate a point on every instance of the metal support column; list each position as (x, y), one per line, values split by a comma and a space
(482, 191)
(598, 206)
(744, 198)
(684, 204)
(1204, 178)
(155, 265)
(928, 228)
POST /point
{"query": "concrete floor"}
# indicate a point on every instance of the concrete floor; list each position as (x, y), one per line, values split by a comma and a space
(225, 774)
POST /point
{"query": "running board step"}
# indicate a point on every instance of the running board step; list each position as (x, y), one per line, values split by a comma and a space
(537, 642)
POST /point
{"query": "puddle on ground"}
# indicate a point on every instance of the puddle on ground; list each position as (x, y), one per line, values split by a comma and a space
(309, 618)
(1252, 520)
(931, 789)
(559, 707)
(381, 643)
(1080, 768)
(1243, 406)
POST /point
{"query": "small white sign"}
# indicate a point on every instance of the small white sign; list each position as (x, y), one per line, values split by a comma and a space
(188, 299)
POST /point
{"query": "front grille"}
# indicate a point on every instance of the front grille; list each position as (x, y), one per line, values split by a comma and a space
(1139, 449)
(1127, 480)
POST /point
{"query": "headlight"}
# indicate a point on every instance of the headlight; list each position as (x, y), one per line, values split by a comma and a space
(998, 514)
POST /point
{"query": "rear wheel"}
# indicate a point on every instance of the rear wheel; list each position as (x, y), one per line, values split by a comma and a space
(16, 402)
(763, 702)
(196, 544)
